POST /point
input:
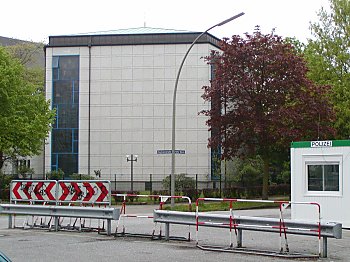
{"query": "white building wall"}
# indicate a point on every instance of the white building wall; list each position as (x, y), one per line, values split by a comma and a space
(131, 108)
(333, 204)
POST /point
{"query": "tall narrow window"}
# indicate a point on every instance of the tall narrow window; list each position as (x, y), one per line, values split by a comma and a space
(215, 151)
(65, 99)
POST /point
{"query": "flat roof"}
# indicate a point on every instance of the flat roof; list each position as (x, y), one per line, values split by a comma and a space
(132, 36)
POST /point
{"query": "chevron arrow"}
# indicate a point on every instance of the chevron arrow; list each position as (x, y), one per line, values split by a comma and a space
(77, 190)
(90, 191)
(104, 192)
(48, 191)
(15, 190)
(26, 190)
(65, 191)
(37, 190)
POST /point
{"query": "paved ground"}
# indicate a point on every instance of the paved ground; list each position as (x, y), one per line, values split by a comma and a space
(42, 245)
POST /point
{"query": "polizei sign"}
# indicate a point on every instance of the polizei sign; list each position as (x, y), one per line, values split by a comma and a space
(321, 143)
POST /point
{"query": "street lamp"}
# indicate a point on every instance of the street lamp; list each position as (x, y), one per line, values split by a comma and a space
(132, 158)
(172, 176)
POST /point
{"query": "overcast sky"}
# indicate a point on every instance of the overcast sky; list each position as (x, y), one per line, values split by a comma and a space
(37, 19)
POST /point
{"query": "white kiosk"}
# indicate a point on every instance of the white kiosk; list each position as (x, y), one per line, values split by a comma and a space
(320, 172)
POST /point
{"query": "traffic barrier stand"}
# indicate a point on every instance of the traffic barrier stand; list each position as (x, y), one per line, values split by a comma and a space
(31, 221)
(153, 235)
(32, 192)
(34, 219)
(81, 224)
(71, 225)
(233, 225)
(62, 192)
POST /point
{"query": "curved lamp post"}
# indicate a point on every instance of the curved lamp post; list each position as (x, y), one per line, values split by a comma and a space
(172, 176)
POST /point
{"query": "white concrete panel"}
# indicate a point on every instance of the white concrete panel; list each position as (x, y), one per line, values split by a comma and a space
(138, 61)
(147, 111)
(148, 61)
(116, 61)
(147, 123)
(148, 50)
(127, 73)
(147, 136)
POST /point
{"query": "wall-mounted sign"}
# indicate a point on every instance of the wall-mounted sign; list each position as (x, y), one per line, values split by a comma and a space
(321, 143)
(162, 152)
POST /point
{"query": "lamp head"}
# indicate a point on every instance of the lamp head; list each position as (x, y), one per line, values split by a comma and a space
(230, 19)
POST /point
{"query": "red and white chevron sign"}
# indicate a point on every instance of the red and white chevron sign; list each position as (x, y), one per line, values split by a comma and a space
(33, 190)
(84, 191)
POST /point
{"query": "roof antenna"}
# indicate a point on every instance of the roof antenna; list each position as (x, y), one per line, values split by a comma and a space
(144, 19)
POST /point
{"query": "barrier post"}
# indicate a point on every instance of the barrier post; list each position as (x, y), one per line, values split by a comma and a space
(10, 221)
(324, 250)
(239, 237)
(167, 231)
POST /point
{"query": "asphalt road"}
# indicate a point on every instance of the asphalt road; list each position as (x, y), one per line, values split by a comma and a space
(43, 245)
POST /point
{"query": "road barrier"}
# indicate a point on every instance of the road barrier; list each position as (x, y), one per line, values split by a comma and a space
(162, 200)
(59, 193)
(57, 212)
(262, 224)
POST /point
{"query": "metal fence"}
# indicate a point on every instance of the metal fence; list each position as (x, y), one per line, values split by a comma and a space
(198, 184)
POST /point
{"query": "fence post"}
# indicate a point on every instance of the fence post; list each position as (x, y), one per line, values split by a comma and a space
(169, 185)
(115, 182)
(150, 186)
(220, 184)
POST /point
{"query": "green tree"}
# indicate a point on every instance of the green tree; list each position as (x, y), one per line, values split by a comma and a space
(261, 100)
(328, 57)
(25, 117)
(247, 172)
(30, 55)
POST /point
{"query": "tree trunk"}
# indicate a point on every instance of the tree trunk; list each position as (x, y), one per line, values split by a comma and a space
(2, 160)
(266, 177)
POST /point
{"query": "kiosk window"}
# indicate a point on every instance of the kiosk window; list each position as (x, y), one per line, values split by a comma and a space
(323, 177)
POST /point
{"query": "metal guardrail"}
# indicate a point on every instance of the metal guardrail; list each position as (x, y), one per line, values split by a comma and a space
(61, 211)
(262, 224)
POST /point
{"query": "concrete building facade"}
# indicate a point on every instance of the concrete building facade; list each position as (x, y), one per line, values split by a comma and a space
(113, 93)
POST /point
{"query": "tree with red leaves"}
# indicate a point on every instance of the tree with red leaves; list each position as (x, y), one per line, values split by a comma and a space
(261, 99)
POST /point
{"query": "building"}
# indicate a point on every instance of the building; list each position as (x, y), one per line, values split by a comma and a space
(113, 93)
(320, 174)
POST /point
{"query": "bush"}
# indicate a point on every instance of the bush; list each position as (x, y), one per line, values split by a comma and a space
(279, 190)
(80, 177)
(191, 193)
(55, 174)
(5, 181)
(128, 199)
(211, 192)
(182, 182)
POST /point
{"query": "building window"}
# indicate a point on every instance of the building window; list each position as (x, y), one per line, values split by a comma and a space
(65, 100)
(323, 177)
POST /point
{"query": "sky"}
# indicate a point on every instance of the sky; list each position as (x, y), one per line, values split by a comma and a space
(36, 20)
